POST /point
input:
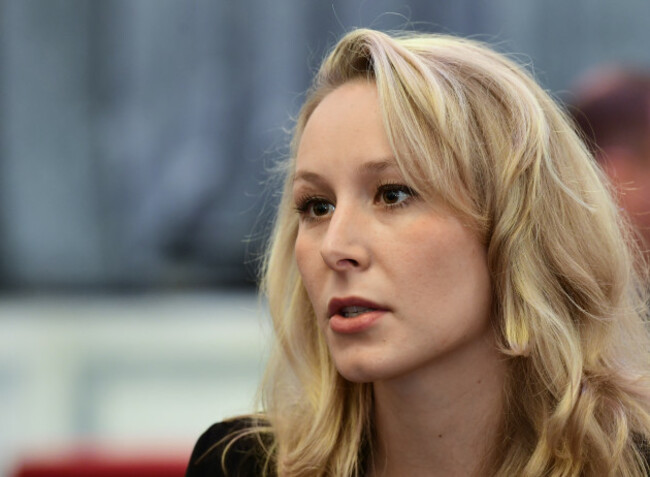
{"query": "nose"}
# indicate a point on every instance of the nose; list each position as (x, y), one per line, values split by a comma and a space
(345, 244)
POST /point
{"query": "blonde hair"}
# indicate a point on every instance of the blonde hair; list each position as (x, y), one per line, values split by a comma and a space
(471, 126)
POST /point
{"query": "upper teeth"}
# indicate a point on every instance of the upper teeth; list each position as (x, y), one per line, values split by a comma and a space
(350, 311)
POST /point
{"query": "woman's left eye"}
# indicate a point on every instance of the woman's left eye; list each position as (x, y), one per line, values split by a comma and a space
(394, 194)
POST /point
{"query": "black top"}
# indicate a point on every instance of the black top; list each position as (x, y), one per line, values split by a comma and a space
(245, 458)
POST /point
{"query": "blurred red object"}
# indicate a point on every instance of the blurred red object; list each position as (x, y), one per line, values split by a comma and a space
(102, 466)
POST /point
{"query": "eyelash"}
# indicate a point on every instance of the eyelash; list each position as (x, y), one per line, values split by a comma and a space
(395, 186)
(304, 203)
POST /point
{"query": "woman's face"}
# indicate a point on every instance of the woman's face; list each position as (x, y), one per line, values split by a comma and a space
(397, 284)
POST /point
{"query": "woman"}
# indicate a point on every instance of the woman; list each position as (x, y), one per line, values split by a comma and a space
(452, 288)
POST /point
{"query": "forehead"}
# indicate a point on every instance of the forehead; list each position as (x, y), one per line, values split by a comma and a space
(346, 125)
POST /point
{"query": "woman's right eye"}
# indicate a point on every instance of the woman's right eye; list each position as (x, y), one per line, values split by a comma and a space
(315, 208)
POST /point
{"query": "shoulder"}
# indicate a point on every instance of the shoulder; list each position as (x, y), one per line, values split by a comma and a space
(244, 453)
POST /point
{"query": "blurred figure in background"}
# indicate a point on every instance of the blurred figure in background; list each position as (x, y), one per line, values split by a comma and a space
(611, 106)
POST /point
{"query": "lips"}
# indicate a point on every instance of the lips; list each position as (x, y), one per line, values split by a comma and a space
(350, 307)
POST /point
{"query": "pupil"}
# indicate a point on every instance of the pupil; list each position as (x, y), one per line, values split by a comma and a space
(320, 209)
(391, 196)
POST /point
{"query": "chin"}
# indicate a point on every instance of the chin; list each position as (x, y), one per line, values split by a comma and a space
(356, 377)
(360, 372)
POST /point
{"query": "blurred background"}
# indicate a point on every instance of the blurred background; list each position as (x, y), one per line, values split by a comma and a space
(135, 136)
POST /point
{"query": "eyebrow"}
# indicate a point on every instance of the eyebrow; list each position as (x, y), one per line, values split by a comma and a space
(372, 167)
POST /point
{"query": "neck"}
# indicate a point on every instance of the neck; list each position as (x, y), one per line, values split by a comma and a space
(442, 419)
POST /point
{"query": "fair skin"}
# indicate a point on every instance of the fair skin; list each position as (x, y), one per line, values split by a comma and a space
(401, 290)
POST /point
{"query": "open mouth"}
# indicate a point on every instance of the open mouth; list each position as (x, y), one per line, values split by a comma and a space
(351, 307)
(352, 311)
(352, 314)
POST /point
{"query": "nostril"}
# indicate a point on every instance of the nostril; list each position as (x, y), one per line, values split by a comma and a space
(348, 262)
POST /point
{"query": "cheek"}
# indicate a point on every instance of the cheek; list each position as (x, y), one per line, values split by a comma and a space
(305, 253)
(452, 265)
(425, 250)
(309, 263)
(299, 252)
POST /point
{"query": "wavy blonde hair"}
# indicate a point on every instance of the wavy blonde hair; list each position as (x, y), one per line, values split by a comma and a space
(471, 126)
